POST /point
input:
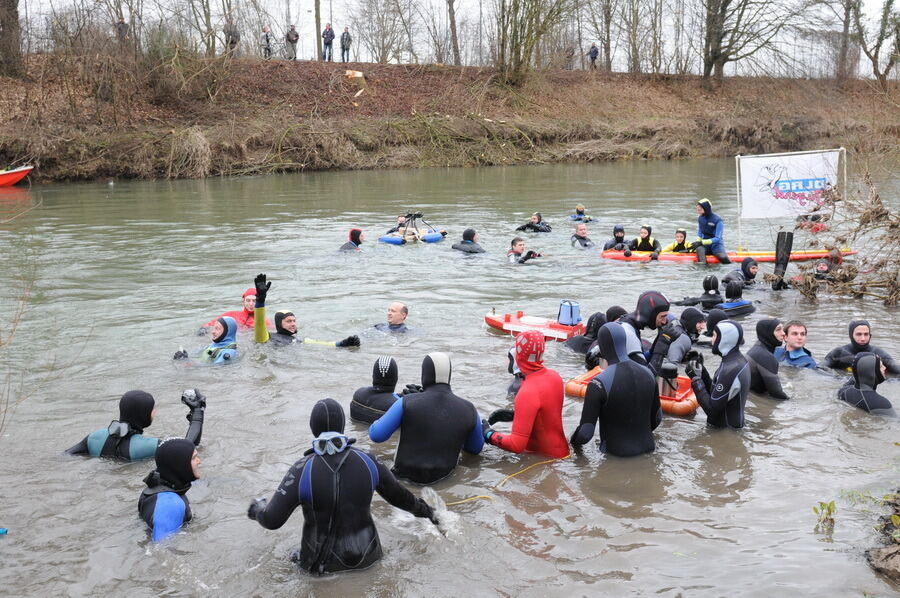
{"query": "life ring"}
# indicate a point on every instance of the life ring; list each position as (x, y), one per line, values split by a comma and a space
(681, 403)
(391, 239)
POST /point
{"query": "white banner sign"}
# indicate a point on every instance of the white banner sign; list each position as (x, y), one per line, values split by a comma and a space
(777, 185)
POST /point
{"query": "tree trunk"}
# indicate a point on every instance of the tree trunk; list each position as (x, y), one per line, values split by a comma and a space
(454, 40)
(11, 63)
(319, 29)
(606, 42)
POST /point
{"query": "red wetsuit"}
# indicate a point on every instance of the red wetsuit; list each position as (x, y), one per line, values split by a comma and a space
(243, 318)
(537, 420)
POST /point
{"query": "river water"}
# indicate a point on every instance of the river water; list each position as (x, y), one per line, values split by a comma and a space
(126, 272)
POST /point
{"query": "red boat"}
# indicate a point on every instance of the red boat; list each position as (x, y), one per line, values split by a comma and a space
(8, 178)
(736, 256)
(681, 402)
(519, 322)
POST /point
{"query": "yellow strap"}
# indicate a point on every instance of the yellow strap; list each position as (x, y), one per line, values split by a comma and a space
(506, 479)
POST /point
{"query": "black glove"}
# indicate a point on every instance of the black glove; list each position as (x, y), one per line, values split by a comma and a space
(486, 431)
(654, 255)
(262, 287)
(412, 389)
(180, 354)
(443, 233)
(500, 415)
(627, 253)
(258, 504)
(693, 367)
(693, 355)
(423, 509)
(522, 228)
(202, 331)
(696, 244)
(193, 398)
(529, 254)
(350, 341)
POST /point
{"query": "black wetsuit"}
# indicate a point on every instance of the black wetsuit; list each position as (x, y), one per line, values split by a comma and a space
(618, 242)
(163, 505)
(435, 425)
(723, 397)
(335, 492)
(124, 439)
(539, 227)
(841, 358)
(583, 242)
(371, 402)
(468, 247)
(645, 244)
(859, 391)
(582, 342)
(710, 297)
(672, 343)
(763, 365)
(624, 398)
(393, 328)
(349, 246)
(743, 274)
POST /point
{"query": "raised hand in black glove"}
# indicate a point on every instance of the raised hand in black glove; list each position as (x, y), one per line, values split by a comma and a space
(193, 398)
(501, 415)
(423, 509)
(694, 366)
(411, 389)
(262, 287)
(180, 354)
(258, 504)
(350, 341)
(486, 430)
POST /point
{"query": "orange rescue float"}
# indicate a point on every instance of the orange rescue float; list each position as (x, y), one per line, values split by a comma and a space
(683, 402)
(519, 322)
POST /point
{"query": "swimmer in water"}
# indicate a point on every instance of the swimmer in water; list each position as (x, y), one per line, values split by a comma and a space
(723, 396)
(222, 350)
(396, 319)
(333, 483)
(163, 504)
(536, 224)
(795, 353)
(761, 357)
(469, 243)
(371, 402)
(124, 438)
(580, 238)
(355, 238)
(841, 358)
(868, 373)
(517, 253)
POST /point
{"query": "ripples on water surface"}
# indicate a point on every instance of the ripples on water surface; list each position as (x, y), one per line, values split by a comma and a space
(126, 273)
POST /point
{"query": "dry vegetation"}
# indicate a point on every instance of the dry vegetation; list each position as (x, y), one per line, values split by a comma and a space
(84, 118)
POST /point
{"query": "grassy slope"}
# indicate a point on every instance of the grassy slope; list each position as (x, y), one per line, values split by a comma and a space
(280, 116)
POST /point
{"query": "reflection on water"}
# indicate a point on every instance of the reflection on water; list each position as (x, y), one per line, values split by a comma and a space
(125, 273)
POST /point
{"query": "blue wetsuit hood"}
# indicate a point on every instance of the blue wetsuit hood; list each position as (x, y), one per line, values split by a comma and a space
(707, 207)
(613, 342)
(228, 336)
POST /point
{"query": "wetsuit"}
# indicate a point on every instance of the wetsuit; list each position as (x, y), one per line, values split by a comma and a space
(392, 328)
(582, 342)
(353, 240)
(624, 398)
(676, 247)
(689, 319)
(734, 305)
(283, 336)
(763, 365)
(468, 244)
(371, 402)
(583, 242)
(163, 504)
(593, 356)
(860, 390)
(798, 358)
(518, 258)
(618, 242)
(223, 349)
(647, 243)
(539, 227)
(841, 358)
(435, 425)
(710, 234)
(335, 491)
(124, 439)
(580, 216)
(710, 297)
(649, 305)
(675, 337)
(537, 420)
(723, 397)
(743, 274)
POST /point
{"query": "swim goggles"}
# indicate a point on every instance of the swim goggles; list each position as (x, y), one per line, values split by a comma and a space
(330, 443)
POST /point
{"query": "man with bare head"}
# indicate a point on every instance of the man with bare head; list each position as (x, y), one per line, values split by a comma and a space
(396, 318)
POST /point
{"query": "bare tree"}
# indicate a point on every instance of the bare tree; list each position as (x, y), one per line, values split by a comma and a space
(521, 24)
(738, 29)
(438, 32)
(454, 38)
(319, 30)
(888, 31)
(11, 62)
(403, 9)
(379, 28)
(601, 17)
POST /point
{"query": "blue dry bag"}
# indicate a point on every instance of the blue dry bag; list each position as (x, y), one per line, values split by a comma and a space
(569, 312)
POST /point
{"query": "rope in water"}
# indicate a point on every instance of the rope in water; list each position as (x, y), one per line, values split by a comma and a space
(504, 480)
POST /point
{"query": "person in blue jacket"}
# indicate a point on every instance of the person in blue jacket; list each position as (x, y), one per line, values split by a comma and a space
(163, 504)
(435, 425)
(794, 353)
(124, 438)
(710, 234)
(223, 349)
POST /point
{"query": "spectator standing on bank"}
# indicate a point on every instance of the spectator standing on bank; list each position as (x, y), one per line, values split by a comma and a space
(593, 53)
(232, 37)
(328, 39)
(122, 31)
(345, 45)
(292, 37)
(267, 38)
